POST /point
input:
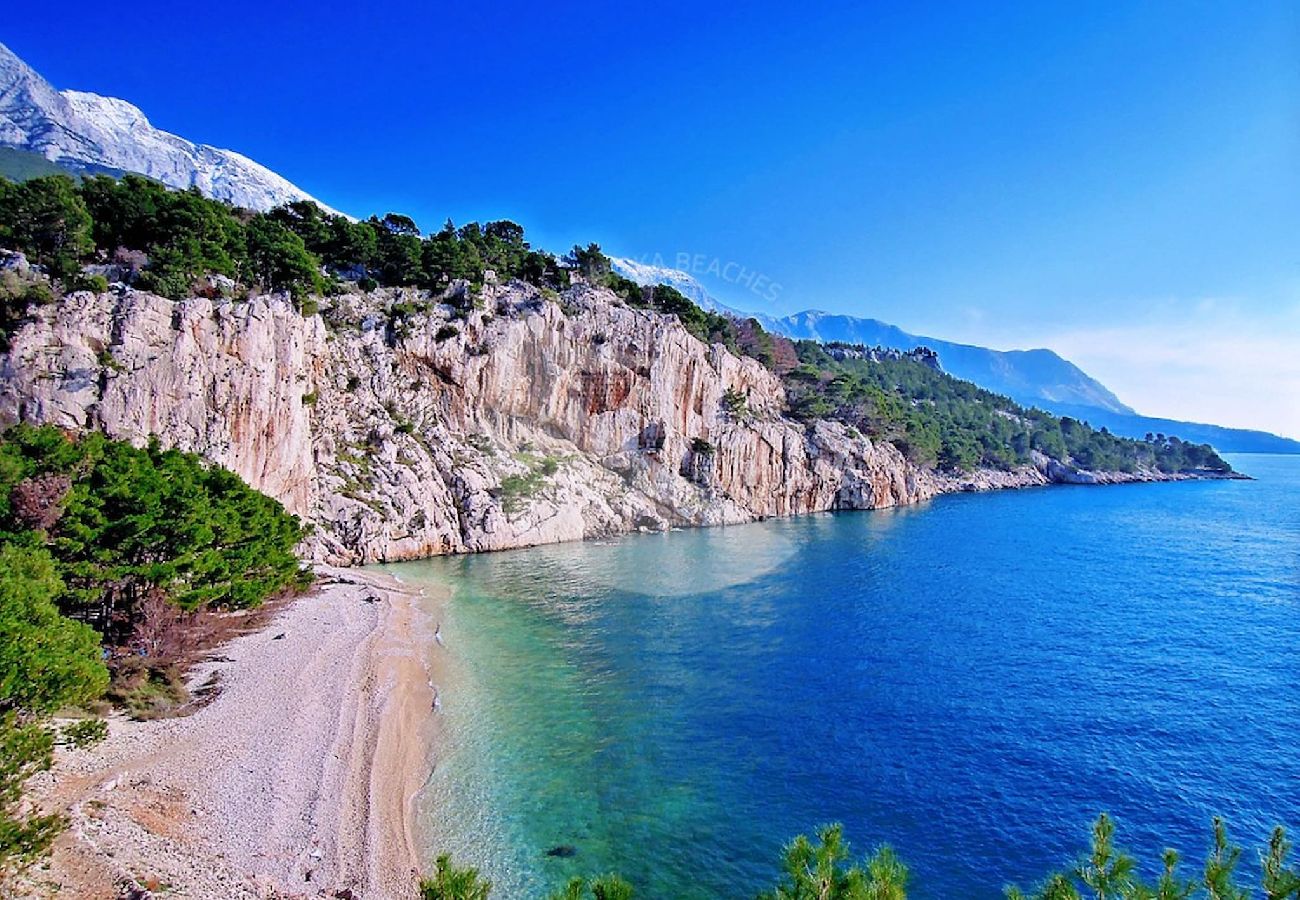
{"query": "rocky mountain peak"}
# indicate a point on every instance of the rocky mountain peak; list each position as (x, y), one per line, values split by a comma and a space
(82, 130)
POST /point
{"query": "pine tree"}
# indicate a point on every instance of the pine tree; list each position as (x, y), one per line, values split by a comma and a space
(1280, 882)
(1171, 886)
(1106, 872)
(817, 871)
(450, 882)
(1220, 865)
(606, 887)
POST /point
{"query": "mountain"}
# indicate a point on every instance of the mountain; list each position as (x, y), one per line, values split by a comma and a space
(43, 130)
(1031, 377)
(85, 132)
(20, 165)
(1225, 440)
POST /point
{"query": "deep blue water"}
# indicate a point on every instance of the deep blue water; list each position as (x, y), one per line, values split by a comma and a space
(971, 681)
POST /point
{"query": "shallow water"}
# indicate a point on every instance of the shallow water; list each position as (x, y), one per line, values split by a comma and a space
(971, 681)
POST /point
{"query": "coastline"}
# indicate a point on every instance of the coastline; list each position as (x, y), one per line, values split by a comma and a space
(297, 779)
(1052, 475)
(300, 777)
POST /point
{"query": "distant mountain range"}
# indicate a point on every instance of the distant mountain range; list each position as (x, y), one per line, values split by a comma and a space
(88, 133)
(44, 130)
(1030, 377)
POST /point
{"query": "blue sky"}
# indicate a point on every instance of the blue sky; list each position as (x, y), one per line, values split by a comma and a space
(1120, 182)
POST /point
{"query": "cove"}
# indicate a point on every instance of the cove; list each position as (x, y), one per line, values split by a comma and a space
(970, 681)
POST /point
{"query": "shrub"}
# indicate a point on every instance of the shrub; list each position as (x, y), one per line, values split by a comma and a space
(107, 360)
(96, 284)
(515, 488)
(445, 332)
(25, 749)
(85, 733)
(46, 660)
(449, 882)
(606, 887)
(734, 404)
(18, 293)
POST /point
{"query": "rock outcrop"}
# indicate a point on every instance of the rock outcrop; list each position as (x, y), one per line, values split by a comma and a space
(400, 427)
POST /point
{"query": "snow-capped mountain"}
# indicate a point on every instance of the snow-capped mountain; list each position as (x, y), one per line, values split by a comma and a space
(645, 273)
(79, 130)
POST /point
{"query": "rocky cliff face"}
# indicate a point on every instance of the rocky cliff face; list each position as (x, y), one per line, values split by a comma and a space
(527, 420)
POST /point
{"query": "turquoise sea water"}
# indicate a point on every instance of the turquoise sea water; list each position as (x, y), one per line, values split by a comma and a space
(970, 680)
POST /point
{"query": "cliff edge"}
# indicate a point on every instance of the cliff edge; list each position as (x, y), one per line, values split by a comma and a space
(400, 427)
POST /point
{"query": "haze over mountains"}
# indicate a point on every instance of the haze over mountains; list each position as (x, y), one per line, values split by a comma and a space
(81, 132)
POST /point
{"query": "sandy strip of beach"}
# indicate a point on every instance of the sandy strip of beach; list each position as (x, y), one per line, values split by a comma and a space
(297, 780)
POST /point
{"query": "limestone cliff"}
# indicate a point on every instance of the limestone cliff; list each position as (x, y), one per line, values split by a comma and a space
(527, 420)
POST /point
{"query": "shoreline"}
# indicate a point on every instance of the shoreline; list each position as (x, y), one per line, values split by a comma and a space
(297, 780)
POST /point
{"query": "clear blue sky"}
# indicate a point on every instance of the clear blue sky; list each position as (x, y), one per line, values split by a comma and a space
(1091, 177)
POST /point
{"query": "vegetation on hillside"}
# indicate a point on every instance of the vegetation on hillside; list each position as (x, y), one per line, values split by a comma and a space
(939, 420)
(46, 662)
(126, 524)
(110, 555)
(822, 869)
(167, 241)
(22, 165)
(595, 268)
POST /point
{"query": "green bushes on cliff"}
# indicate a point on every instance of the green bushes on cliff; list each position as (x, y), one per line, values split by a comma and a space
(597, 269)
(171, 239)
(18, 294)
(48, 219)
(938, 420)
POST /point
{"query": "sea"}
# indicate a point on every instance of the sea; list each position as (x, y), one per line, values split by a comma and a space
(970, 681)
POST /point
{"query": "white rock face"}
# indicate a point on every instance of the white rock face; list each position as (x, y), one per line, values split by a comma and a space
(87, 130)
(650, 274)
(536, 421)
